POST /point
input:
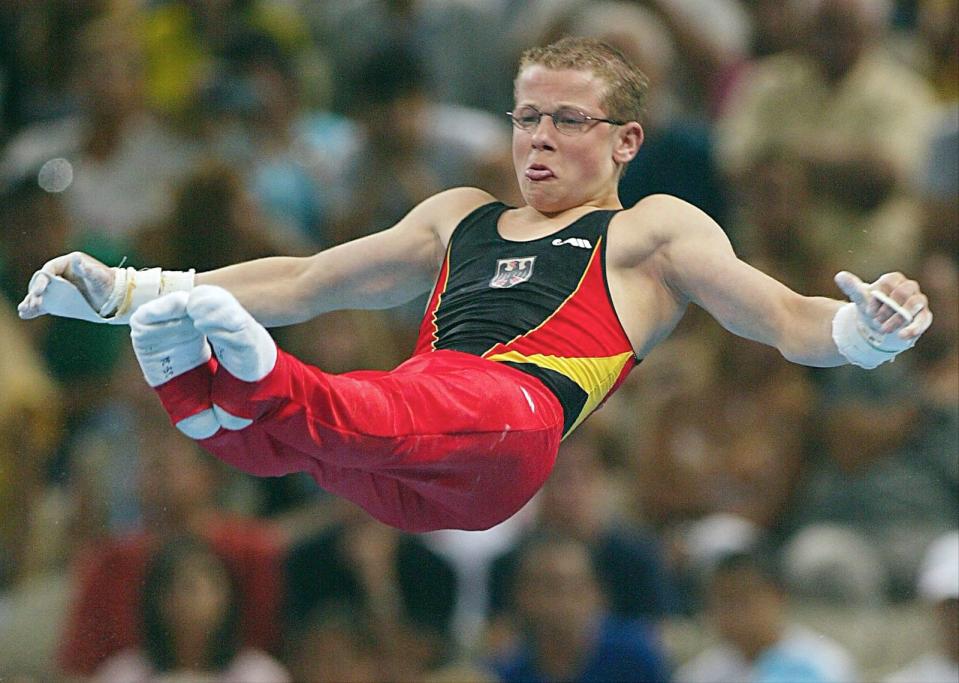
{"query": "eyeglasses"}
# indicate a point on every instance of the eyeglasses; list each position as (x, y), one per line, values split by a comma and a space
(567, 120)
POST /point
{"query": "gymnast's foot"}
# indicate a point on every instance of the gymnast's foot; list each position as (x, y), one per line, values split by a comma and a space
(167, 346)
(243, 346)
(165, 341)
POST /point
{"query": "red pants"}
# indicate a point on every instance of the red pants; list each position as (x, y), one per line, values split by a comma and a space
(445, 440)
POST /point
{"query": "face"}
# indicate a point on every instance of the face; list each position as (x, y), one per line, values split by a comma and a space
(746, 610)
(557, 590)
(838, 35)
(558, 171)
(198, 596)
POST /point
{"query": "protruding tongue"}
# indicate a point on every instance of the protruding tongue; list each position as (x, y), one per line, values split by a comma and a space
(538, 173)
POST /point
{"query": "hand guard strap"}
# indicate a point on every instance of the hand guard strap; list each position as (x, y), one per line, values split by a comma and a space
(860, 344)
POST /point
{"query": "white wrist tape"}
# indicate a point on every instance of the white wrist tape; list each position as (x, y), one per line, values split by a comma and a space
(131, 289)
(860, 344)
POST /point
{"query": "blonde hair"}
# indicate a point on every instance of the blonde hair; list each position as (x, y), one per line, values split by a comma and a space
(626, 85)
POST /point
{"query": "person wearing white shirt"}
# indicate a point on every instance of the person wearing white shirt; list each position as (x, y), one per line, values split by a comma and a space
(747, 608)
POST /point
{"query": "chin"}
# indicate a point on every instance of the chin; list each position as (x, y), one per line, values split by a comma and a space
(546, 201)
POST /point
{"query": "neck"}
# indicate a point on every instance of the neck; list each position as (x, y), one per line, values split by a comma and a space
(191, 652)
(532, 215)
(753, 650)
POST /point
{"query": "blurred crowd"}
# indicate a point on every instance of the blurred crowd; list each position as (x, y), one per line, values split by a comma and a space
(727, 516)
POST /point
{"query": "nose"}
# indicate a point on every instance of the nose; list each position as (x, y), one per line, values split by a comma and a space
(543, 134)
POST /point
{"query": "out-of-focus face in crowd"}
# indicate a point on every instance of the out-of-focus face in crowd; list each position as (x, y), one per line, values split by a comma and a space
(746, 607)
(838, 31)
(556, 592)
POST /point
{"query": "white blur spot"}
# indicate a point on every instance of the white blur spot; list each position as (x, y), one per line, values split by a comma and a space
(532, 406)
(56, 175)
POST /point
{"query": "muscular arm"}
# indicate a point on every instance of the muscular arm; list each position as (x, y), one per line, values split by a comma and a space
(700, 266)
(381, 270)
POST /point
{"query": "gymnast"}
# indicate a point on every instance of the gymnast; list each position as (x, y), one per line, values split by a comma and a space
(536, 315)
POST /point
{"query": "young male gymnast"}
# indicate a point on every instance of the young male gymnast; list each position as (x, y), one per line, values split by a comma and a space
(536, 316)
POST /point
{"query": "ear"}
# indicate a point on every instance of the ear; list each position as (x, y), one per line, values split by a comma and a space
(630, 139)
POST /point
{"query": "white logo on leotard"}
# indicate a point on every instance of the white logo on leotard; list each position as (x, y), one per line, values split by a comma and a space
(573, 242)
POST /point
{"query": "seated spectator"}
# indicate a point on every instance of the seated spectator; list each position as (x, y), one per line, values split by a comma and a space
(189, 613)
(747, 606)
(574, 502)
(177, 494)
(411, 144)
(32, 582)
(408, 590)
(214, 222)
(569, 634)
(731, 442)
(826, 107)
(676, 156)
(882, 485)
(939, 589)
(296, 159)
(184, 40)
(124, 158)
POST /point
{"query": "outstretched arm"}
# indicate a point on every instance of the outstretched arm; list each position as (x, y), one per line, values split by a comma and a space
(381, 270)
(377, 271)
(701, 267)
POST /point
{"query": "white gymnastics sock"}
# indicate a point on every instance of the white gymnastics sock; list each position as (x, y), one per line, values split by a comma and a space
(243, 346)
(165, 340)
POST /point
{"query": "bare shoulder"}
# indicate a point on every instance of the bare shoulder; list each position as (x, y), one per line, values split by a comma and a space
(660, 225)
(444, 210)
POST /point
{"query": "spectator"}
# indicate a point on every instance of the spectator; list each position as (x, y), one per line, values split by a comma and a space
(38, 46)
(183, 41)
(408, 590)
(189, 610)
(457, 43)
(296, 160)
(883, 482)
(747, 606)
(570, 636)
(828, 107)
(739, 453)
(214, 221)
(413, 145)
(123, 157)
(32, 582)
(713, 38)
(939, 589)
(576, 502)
(178, 488)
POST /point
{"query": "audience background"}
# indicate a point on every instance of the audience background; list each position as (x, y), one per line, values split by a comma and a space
(822, 134)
